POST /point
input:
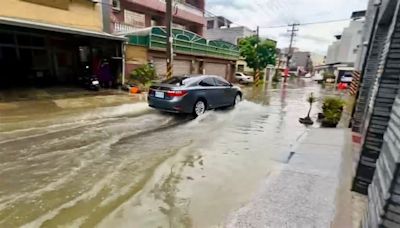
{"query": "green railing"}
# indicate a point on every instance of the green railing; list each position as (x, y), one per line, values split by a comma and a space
(185, 42)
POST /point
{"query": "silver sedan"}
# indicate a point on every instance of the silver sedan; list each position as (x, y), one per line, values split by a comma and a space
(193, 94)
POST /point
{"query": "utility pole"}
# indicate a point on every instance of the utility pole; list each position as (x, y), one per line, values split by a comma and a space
(257, 76)
(292, 31)
(170, 39)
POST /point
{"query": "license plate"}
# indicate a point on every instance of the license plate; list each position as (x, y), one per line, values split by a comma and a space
(95, 82)
(159, 94)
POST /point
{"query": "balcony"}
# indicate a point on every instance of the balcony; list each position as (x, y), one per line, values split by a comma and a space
(184, 11)
(122, 28)
(185, 42)
(190, 9)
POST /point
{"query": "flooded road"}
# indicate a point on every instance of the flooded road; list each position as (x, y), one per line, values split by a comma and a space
(129, 166)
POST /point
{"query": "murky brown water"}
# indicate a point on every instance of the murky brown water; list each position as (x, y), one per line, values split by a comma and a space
(129, 166)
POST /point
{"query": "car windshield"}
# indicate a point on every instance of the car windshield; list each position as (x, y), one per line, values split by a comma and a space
(176, 81)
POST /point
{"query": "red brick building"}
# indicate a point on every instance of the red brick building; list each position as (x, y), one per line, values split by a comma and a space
(130, 15)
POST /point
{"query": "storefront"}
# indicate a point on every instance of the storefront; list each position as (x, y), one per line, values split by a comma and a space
(37, 54)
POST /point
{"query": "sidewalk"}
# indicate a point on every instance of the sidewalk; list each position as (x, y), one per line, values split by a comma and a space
(36, 106)
(304, 192)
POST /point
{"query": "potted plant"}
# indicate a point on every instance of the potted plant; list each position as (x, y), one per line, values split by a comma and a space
(307, 120)
(332, 111)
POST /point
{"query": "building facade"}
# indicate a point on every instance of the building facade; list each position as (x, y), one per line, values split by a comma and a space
(301, 61)
(53, 42)
(193, 54)
(132, 15)
(143, 23)
(377, 117)
(345, 49)
(219, 28)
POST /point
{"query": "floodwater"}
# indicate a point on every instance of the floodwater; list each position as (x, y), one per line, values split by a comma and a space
(129, 166)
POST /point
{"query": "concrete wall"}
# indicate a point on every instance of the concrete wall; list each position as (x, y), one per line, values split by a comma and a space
(79, 13)
(300, 59)
(384, 191)
(332, 54)
(366, 34)
(230, 35)
(191, 18)
(350, 42)
(317, 59)
(378, 96)
(346, 49)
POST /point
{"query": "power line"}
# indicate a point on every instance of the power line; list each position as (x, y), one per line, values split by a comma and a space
(308, 23)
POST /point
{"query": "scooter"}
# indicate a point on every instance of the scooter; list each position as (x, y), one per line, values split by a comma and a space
(92, 83)
(89, 81)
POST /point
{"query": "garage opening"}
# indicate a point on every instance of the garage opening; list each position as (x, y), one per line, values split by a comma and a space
(40, 58)
(181, 67)
(218, 69)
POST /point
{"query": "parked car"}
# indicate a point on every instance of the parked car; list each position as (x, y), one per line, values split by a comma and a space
(244, 79)
(193, 94)
(318, 77)
(347, 78)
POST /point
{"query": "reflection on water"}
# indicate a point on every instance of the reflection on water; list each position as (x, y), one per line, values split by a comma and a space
(129, 166)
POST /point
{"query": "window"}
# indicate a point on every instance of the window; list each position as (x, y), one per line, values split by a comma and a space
(207, 82)
(210, 24)
(176, 81)
(154, 22)
(240, 68)
(221, 82)
(116, 5)
(135, 19)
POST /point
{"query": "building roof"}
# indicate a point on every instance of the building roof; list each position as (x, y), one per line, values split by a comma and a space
(184, 41)
(57, 28)
(219, 18)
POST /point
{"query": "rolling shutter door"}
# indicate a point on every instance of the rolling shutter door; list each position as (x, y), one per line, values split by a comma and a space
(182, 67)
(161, 66)
(218, 69)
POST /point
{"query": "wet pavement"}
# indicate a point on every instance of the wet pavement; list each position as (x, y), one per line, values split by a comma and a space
(130, 166)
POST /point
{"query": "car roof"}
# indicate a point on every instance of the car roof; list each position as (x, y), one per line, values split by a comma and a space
(201, 76)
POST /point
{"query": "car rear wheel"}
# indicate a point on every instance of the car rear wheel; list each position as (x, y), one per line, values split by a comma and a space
(199, 108)
(238, 99)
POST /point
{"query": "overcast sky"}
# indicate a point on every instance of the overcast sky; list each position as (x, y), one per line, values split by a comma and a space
(266, 13)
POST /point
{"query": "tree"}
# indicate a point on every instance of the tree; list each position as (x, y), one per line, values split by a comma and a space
(310, 99)
(307, 120)
(258, 53)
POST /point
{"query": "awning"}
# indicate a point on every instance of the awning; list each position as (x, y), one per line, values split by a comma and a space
(58, 28)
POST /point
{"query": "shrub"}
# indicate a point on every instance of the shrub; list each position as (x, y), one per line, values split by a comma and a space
(328, 75)
(333, 103)
(332, 108)
(143, 74)
(332, 116)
